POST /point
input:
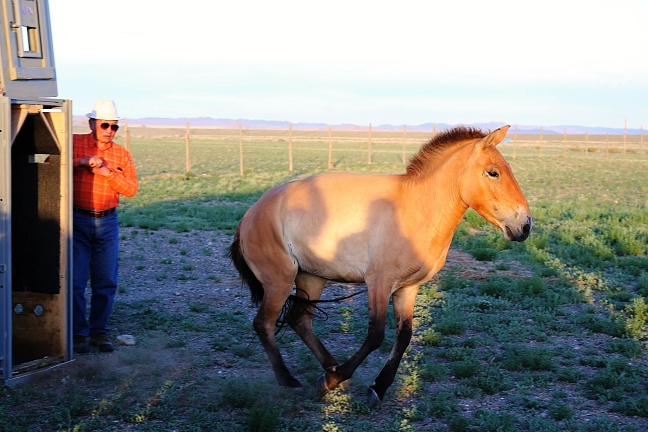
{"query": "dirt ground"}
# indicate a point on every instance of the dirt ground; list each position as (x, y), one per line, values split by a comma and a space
(177, 271)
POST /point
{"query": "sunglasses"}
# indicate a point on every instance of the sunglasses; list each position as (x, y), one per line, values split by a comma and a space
(113, 127)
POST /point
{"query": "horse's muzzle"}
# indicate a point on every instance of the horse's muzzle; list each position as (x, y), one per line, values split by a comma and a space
(520, 234)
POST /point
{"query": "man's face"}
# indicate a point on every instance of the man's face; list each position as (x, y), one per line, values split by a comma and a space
(104, 130)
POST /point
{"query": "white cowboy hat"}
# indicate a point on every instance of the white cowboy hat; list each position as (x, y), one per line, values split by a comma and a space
(104, 110)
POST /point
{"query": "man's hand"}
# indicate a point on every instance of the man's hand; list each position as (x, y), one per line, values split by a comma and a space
(102, 171)
(96, 166)
(92, 162)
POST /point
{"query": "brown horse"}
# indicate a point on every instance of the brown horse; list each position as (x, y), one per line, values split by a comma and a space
(391, 232)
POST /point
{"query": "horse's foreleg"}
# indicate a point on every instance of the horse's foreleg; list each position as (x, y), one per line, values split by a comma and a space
(264, 324)
(378, 302)
(301, 318)
(403, 301)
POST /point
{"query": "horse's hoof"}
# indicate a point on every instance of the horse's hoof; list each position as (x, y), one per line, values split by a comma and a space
(321, 386)
(373, 400)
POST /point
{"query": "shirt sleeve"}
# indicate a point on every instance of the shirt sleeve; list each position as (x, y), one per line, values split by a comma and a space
(124, 179)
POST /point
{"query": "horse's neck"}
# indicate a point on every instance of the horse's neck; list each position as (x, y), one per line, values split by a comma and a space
(434, 202)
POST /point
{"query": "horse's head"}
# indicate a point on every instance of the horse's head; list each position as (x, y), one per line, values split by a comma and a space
(489, 187)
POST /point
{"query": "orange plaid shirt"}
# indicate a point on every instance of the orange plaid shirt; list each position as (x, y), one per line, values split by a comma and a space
(96, 192)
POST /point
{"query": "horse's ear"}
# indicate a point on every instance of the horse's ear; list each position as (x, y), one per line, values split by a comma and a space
(495, 137)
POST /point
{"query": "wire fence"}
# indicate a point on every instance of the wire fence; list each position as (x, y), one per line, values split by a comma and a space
(198, 149)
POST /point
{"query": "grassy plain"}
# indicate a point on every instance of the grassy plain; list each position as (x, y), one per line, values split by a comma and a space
(547, 335)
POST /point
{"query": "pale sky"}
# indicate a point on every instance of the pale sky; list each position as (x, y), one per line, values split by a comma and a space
(550, 62)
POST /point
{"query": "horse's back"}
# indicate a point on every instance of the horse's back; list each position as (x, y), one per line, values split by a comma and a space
(323, 199)
(325, 221)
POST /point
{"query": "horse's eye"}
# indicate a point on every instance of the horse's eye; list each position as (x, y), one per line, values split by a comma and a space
(493, 174)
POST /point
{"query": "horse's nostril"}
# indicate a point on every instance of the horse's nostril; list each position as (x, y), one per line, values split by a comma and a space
(526, 229)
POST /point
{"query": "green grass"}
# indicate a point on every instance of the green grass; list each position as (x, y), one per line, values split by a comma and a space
(545, 335)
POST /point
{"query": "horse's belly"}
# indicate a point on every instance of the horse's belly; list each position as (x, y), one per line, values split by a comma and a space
(332, 260)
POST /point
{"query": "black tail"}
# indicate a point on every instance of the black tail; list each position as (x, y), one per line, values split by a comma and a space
(248, 277)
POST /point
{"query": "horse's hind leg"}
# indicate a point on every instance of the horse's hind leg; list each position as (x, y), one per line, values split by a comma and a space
(309, 287)
(264, 324)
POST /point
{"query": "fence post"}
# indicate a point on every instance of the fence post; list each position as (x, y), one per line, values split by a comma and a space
(290, 157)
(128, 137)
(240, 148)
(404, 140)
(369, 159)
(330, 154)
(187, 151)
(515, 142)
(625, 133)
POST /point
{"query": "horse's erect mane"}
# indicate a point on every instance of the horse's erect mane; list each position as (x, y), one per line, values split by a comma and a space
(442, 141)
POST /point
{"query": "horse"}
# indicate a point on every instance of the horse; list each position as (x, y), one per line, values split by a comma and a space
(391, 232)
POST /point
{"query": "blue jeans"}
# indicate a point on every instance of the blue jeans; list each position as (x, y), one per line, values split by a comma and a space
(95, 253)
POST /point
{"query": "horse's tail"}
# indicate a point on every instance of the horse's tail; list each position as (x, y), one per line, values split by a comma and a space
(248, 277)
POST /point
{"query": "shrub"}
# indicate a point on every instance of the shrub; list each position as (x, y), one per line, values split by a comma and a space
(599, 324)
(491, 380)
(449, 281)
(458, 354)
(642, 284)
(616, 382)
(635, 325)
(518, 358)
(633, 406)
(496, 286)
(570, 375)
(432, 372)
(431, 337)
(489, 421)
(627, 347)
(531, 286)
(263, 418)
(484, 254)
(451, 324)
(239, 393)
(561, 411)
(439, 405)
(465, 368)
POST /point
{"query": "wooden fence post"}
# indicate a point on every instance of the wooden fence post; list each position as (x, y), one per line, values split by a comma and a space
(515, 142)
(187, 151)
(330, 154)
(290, 157)
(128, 137)
(240, 148)
(625, 133)
(404, 140)
(369, 159)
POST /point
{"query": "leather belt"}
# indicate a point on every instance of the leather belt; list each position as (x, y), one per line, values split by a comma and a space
(97, 214)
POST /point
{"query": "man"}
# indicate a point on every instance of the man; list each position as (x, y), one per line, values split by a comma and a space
(103, 170)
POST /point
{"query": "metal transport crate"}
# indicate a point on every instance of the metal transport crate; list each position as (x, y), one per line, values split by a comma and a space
(35, 198)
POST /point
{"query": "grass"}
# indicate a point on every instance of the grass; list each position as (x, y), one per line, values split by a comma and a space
(547, 335)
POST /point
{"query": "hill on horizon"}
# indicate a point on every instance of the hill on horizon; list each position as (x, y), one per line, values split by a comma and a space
(209, 122)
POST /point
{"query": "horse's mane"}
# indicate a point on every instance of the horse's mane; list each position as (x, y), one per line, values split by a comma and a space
(442, 141)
